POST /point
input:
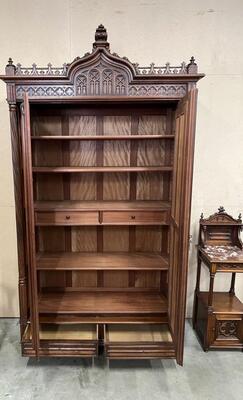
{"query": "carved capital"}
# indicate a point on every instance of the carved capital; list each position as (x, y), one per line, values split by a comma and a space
(22, 280)
(12, 107)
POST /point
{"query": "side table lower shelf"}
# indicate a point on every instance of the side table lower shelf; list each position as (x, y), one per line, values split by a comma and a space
(222, 326)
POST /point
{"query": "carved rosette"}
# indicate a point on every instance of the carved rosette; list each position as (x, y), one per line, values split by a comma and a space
(227, 329)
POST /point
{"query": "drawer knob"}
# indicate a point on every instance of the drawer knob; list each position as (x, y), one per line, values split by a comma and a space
(67, 216)
(133, 217)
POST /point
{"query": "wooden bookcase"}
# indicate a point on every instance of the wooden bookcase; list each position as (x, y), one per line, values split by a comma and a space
(103, 159)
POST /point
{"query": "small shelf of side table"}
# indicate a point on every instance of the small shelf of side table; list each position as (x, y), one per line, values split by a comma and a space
(218, 316)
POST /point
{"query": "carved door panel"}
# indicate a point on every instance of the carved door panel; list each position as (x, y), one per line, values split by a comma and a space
(29, 218)
(180, 221)
(228, 329)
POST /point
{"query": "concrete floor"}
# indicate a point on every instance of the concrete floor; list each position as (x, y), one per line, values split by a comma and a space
(205, 376)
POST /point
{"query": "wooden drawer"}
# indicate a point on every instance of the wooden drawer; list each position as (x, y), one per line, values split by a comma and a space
(139, 341)
(66, 218)
(135, 217)
(80, 340)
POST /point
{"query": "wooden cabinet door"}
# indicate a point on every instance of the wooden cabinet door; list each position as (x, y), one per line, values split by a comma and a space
(29, 219)
(180, 221)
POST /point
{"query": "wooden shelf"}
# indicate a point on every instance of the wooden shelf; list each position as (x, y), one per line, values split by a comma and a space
(95, 319)
(100, 169)
(102, 303)
(101, 137)
(101, 261)
(73, 205)
(223, 303)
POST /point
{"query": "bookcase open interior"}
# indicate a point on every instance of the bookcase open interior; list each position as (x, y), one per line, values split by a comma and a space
(106, 191)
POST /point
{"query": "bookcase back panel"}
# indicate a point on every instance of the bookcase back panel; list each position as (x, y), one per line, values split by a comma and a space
(49, 188)
(78, 280)
(81, 125)
(83, 186)
(82, 154)
(116, 186)
(151, 186)
(117, 125)
(45, 123)
(115, 238)
(152, 124)
(152, 239)
(83, 279)
(84, 238)
(151, 153)
(148, 238)
(51, 239)
(117, 153)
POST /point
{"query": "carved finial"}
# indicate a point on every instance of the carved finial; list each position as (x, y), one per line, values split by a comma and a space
(221, 210)
(101, 37)
(10, 62)
(201, 216)
(192, 66)
(239, 218)
(10, 67)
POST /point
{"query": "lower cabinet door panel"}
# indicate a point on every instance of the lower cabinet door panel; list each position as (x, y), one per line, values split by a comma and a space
(138, 341)
(79, 340)
(228, 331)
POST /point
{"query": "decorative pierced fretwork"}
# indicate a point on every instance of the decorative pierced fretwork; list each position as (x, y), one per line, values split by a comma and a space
(102, 73)
(44, 90)
(101, 80)
(94, 82)
(158, 90)
(81, 85)
(120, 84)
(107, 81)
(165, 70)
(46, 71)
(227, 329)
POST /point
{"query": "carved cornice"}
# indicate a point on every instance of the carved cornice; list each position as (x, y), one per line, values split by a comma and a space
(102, 73)
(220, 217)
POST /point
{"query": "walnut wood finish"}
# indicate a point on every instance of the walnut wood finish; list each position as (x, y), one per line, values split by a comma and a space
(102, 137)
(135, 342)
(101, 261)
(102, 303)
(106, 153)
(218, 316)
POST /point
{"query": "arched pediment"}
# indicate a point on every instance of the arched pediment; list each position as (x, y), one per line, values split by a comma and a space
(220, 217)
(100, 73)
